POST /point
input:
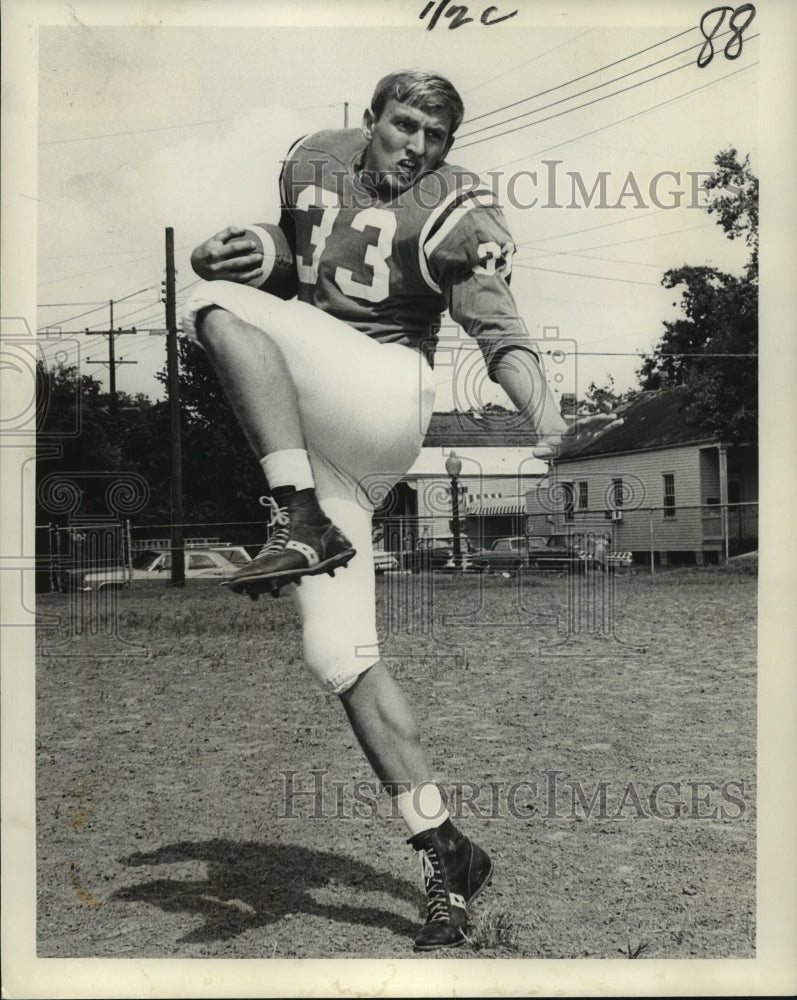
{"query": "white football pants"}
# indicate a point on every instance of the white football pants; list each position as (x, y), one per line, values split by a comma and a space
(364, 409)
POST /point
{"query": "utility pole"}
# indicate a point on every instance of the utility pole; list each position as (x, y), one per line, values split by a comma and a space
(112, 362)
(175, 446)
(345, 114)
(111, 356)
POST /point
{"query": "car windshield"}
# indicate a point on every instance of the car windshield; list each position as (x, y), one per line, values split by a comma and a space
(142, 559)
(235, 556)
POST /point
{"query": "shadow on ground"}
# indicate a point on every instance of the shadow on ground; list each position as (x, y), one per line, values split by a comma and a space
(254, 884)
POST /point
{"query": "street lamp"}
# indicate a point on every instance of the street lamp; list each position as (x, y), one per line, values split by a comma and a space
(453, 468)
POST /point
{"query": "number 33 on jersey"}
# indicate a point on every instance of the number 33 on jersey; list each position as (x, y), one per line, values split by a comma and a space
(391, 268)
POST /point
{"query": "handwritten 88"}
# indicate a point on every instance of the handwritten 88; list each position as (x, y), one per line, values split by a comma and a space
(746, 12)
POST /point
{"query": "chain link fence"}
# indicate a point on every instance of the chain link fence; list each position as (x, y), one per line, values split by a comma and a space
(655, 536)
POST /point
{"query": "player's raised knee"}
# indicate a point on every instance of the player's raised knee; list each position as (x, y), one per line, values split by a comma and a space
(335, 661)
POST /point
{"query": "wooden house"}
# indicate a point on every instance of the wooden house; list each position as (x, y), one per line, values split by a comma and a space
(663, 486)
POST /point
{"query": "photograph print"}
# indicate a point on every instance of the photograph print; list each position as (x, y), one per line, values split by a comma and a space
(395, 504)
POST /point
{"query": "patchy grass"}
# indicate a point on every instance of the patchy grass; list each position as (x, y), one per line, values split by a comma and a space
(493, 930)
(198, 796)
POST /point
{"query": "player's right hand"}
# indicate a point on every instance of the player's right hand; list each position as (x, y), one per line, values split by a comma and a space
(228, 256)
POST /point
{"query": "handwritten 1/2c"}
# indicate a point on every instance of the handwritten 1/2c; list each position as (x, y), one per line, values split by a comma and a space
(459, 15)
(735, 44)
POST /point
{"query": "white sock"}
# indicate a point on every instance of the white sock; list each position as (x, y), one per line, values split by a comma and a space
(422, 807)
(290, 467)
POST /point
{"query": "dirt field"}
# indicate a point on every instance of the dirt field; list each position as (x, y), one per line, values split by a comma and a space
(198, 797)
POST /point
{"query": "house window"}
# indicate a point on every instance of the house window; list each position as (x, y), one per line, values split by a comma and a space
(669, 494)
(583, 496)
(614, 497)
(569, 501)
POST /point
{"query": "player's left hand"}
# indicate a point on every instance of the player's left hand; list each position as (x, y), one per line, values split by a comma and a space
(583, 429)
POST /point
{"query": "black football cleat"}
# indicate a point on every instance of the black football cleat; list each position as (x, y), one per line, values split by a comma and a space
(304, 543)
(455, 870)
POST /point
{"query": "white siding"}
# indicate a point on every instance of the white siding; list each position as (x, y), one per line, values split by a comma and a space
(643, 483)
(710, 474)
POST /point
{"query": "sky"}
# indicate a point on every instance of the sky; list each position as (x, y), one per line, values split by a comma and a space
(143, 128)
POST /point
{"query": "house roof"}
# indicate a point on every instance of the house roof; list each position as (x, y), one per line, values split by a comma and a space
(654, 419)
(478, 430)
(480, 462)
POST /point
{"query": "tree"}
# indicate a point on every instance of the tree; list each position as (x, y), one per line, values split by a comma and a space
(603, 398)
(736, 202)
(712, 350)
(490, 407)
(72, 414)
(222, 481)
(97, 437)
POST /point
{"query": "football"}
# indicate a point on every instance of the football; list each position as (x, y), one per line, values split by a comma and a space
(278, 263)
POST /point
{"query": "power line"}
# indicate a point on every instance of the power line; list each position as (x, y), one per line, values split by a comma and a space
(619, 243)
(153, 305)
(604, 260)
(587, 229)
(663, 354)
(91, 302)
(581, 93)
(577, 79)
(579, 107)
(91, 253)
(578, 274)
(167, 128)
(628, 118)
(639, 354)
(88, 312)
(145, 309)
(514, 69)
(597, 354)
(150, 317)
(104, 253)
(70, 319)
(96, 270)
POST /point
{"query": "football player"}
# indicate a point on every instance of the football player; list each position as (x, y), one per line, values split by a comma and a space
(335, 391)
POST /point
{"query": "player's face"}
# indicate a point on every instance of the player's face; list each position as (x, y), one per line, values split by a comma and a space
(403, 143)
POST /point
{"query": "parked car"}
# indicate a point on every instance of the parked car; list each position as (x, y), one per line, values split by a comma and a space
(518, 552)
(384, 561)
(507, 553)
(438, 554)
(563, 552)
(149, 564)
(236, 554)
